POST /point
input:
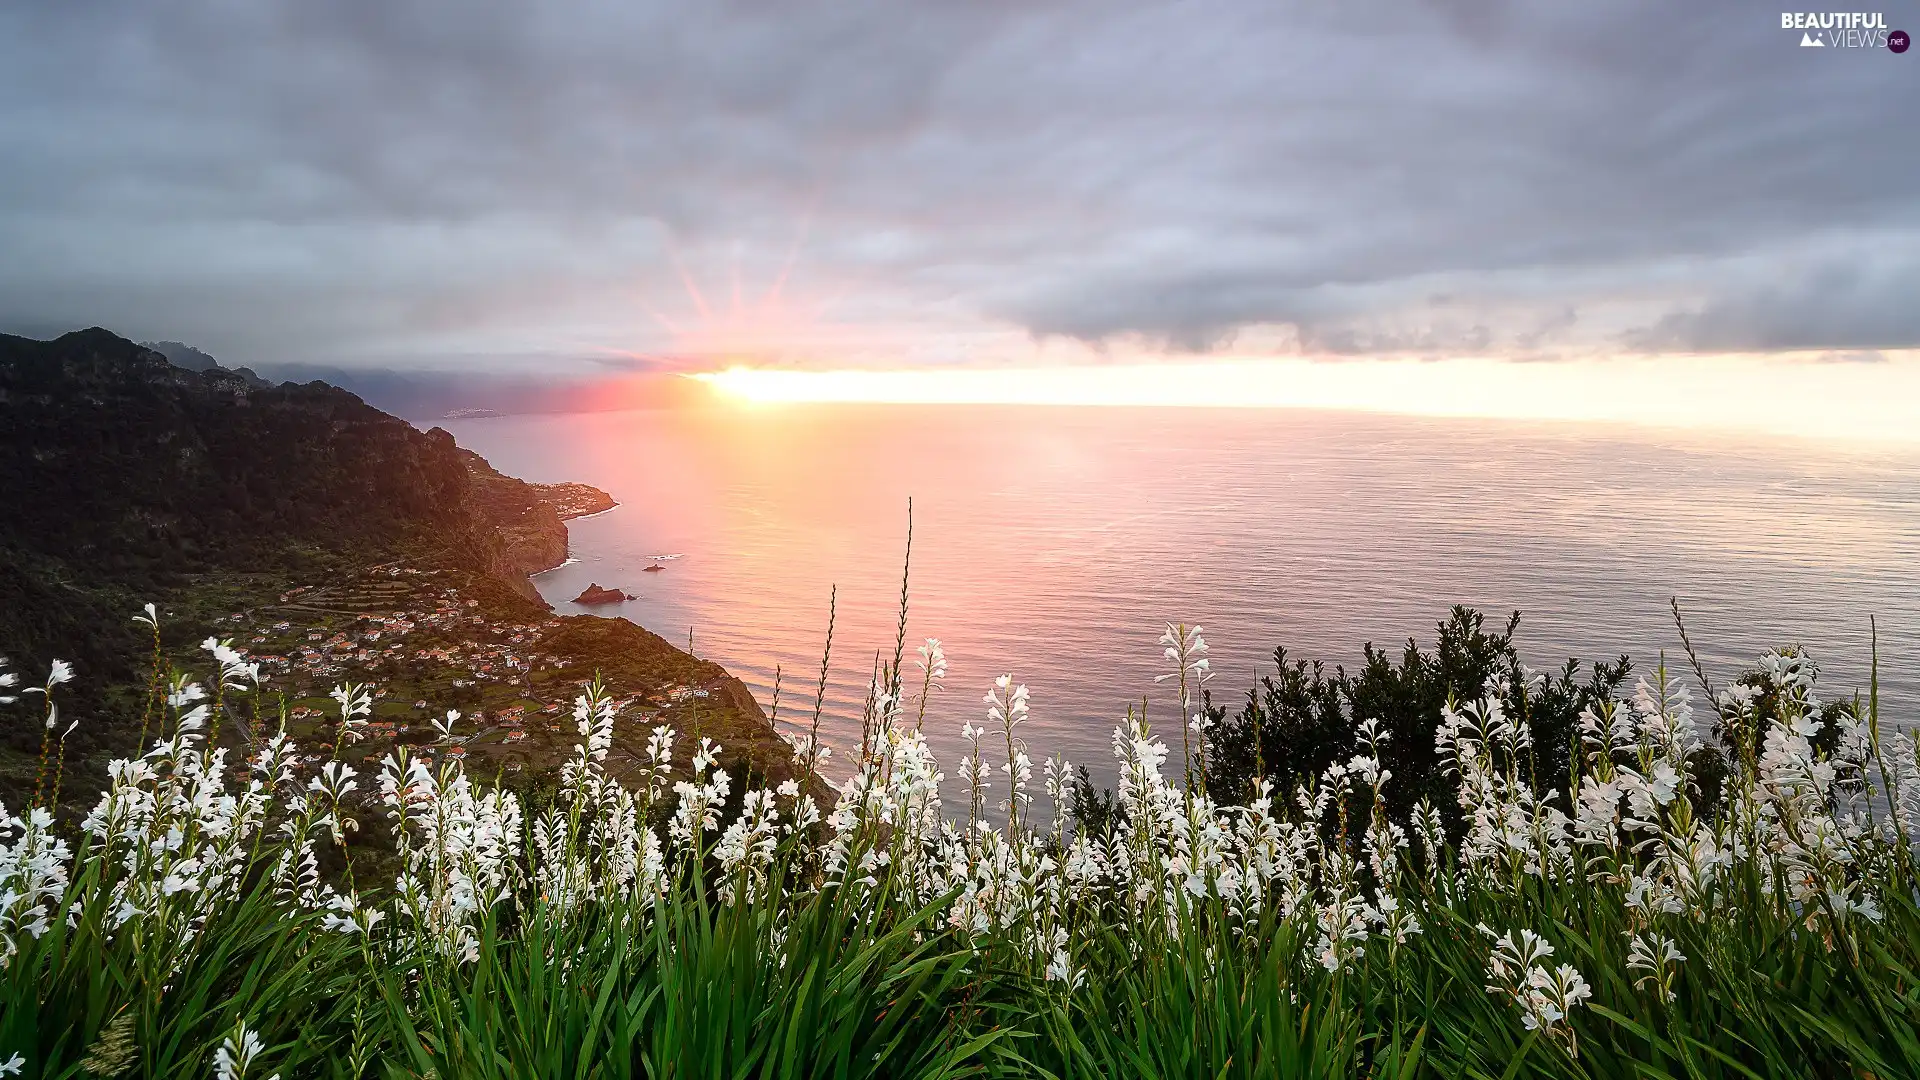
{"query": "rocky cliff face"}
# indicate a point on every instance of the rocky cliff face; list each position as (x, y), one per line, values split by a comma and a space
(123, 475)
(532, 536)
(129, 459)
(126, 479)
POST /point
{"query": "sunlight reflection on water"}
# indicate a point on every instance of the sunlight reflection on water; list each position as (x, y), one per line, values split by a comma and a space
(1053, 542)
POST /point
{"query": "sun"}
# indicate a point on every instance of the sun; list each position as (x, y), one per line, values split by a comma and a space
(1778, 395)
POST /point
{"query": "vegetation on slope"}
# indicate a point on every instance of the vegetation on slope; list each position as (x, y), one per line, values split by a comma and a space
(129, 479)
(1615, 920)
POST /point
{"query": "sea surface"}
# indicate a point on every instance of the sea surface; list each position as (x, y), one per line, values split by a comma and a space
(1053, 544)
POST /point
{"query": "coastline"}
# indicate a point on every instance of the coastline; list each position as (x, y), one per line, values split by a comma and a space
(570, 559)
(611, 643)
(583, 517)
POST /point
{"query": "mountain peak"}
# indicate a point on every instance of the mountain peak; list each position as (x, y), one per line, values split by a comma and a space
(103, 360)
(182, 355)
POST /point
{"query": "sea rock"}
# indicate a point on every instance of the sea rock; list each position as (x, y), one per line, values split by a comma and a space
(594, 594)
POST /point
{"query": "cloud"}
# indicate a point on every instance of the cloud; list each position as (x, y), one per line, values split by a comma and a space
(484, 182)
(1848, 298)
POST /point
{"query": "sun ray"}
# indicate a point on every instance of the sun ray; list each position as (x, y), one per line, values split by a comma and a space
(686, 280)
(774, 292)
(669, 325)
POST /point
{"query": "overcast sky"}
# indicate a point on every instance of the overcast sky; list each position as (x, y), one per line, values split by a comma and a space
(534, 185)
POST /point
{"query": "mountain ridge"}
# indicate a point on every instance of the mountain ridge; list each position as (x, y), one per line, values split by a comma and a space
(133, 480)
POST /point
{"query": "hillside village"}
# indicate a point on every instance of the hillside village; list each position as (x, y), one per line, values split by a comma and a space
(422, 645)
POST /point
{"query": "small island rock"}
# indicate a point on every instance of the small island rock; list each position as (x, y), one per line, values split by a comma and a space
(594, 594)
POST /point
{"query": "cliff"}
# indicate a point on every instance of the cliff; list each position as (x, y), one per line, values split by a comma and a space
(528, 518)
(127, 479)
(134, 466)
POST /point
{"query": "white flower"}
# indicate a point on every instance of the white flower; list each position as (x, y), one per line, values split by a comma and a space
(1188, 652)
(1656, 957)
(706, 755)
(237, 1053)
(1060, 969)
(1517, 967)
(933, 661)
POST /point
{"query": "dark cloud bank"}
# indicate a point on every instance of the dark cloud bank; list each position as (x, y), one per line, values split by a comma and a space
(519, 185)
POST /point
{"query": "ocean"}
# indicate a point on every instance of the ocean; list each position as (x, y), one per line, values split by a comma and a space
(1053, 544)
